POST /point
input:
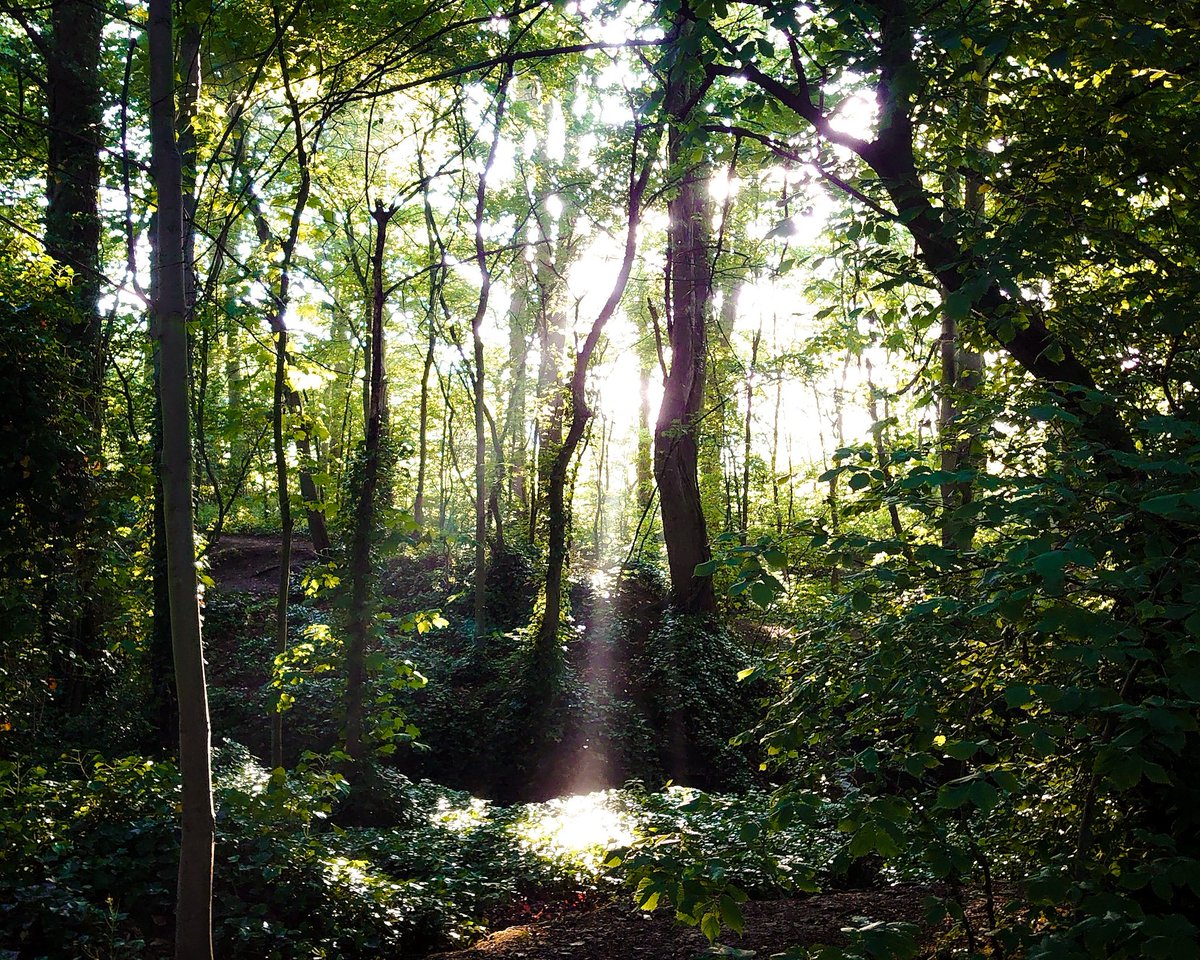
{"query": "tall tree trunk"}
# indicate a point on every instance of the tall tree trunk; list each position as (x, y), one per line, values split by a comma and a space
(745, 502)
(479, 381)
(962, 368)
(365, 508)
(164, 708)
(514, 428)
(280, 398)
(437, 277)
(675, 433)
(645, 464)
(551, 416)
(283, 592)
(73, 230)
(75, 118)
(558, 513)
(193, 917)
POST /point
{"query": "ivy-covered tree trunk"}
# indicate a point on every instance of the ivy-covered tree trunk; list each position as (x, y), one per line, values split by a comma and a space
(365, 505)
(193, 916)
(689, 284)
(73, 229)
(558, 494)
(479, 380)
(75, 118)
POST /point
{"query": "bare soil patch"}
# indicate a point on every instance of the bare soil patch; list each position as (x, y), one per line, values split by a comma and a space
(249, 563)
(620, 930)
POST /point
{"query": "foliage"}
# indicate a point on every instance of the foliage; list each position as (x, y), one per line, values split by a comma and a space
(91, 852)
(977, 709)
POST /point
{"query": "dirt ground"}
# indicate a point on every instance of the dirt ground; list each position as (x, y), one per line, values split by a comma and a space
(250, 564)
(614, 930)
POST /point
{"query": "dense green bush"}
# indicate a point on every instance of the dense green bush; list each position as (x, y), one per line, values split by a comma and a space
(91, 851)
(1018, 711)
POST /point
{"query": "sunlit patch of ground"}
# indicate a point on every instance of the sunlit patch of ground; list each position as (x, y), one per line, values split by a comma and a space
(583, 825)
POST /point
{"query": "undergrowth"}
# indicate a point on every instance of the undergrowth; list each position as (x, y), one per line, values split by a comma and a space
(91, 849)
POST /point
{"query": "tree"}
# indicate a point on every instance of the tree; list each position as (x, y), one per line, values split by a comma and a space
(193, 924)
(371, 470)
(689, 287)
(558, 517)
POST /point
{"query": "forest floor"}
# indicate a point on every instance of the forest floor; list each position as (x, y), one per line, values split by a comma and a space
(586, 929)
(618, 929)
(249, 563)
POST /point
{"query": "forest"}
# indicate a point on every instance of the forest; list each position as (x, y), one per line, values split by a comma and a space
(665, 479)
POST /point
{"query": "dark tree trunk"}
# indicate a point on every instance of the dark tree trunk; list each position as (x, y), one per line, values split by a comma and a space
(479, 381)
(676, 432)
(365, 508)
(73, 176)
(558, 510)
(72, 238)
(285, 530)
(164, 706)
(193, 914)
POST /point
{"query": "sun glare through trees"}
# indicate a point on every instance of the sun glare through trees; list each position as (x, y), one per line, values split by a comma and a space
(656, 479)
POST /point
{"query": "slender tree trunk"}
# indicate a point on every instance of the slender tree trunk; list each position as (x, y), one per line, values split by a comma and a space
(551, 416)
(675, 433)
(645, 463)
(557, 495)
(285, 530)
(365, 508)
(165, 702)
(745, 504)
(193, 918)
(423, 428)
(518, 353)
(436, 279)
(479, 382)
(881, 454)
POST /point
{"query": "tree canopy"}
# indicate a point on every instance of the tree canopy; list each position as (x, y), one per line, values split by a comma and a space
(787, 413)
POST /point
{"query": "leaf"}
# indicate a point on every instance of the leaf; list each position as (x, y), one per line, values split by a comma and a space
(1018, 695)
(958, 304)
(731, 914)
(762, 593)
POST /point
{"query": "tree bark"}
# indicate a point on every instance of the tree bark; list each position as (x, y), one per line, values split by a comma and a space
(675, 433)
(479, 381)
(73, 229)
(365, 508)
(558, 518)
(744, 518)
(75, 118)
(645, 463)
(436, 279)
(193, 920)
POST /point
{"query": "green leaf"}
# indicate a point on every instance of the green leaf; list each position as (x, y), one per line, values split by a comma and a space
(731, 914)
(762, 593)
